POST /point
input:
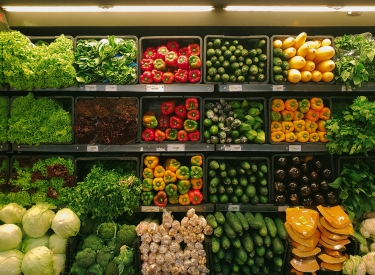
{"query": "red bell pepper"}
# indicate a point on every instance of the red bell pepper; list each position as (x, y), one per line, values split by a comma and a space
(194, 49)
(163, 122)
(156, 75)
(167, 77)
(195, 62)
(168, 107)
(195, 196)
(171, 59)
(183, 51)
(191, 103)
(150, 52)
(173, 45)
(193, 114)
(149, 120)
(161, 199)
(171, 134)
(194, 76)
(183, 62)
(175, 122)
(194, 136)
(147, 64)
(180, 111)
(181, 76)
(146, 77)
(159, 135)
(160, 65)
(161, 52)
(182, 136)
(148, 134)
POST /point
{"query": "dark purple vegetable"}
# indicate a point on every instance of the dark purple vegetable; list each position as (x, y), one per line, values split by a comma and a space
(305, 190)
(318, 164)
(332, 198)
(280, 199)
(314, 187)
(279, 187)
(314, 175)
(280, 174)
(282, 161)
(294, 172)
(319, 199)
(324, 185)
(305, 179)
(304, 167)
(296, 160)
(307, 201)
(292, 186)
(326, 173)
(294, 199)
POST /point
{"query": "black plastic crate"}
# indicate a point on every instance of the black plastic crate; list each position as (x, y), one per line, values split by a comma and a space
(72, 247)
(106, 120)
(263, 113)
(153, 103)
(4, 169)
(248, 43)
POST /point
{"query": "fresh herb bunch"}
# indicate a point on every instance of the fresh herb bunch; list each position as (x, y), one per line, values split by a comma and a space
(3, 119)
(356, 185)
(355, 59)
(111, 59)
(105, 194)
(352, 127)
(35, 121)
(27, 66)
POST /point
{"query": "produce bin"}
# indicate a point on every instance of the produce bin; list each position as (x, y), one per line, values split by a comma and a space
(257, 59)
(153, 104)
(272, 117)
(49, 39)
(104, 120)
(4, 170)
(230, 138)
(295, 176)
(156, 41)
(273, 55)
(107, 61)
(185, 160)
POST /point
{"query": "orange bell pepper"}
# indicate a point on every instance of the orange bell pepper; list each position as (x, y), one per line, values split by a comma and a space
(287, 115)
(151, 161)
(302, 136)
(170, 176)
(196, 183)
(316, 103)
(325, 113)
(299, 125)
(159, 171)
(277, 105)
(322, 136)
(314, 137)
(148, 173)
(311, 126)
(277, 136)
(298, 115)
(275, 126)
(290, 137)
(287, 126)
(322, 125)
(291, 104)
(184, 199)
(312, 115)
(196, 160)
(172, 165)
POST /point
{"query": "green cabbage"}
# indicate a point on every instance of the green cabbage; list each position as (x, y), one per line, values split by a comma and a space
(10, 262)
(10, 236)
(38, 261)
(30, 243)
(66, 223)
(12, 213)
(57, 244)
(37, 220)
(59, 263)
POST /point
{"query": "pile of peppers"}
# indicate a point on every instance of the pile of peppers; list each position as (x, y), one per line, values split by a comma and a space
(301, 120)
(177, 121)
(171, 63)
(172, 182)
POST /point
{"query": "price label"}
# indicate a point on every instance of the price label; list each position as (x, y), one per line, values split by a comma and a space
(233, 207)
(235, 88)
(90, 88)
(92, 148)
(343, 88)
(141, 149)
(155, 88)
(110, 88)
(150, 209)
(235, 147)
(160, 149)
(294, 148)
(176, 147)
(278, 88)
(282, 208)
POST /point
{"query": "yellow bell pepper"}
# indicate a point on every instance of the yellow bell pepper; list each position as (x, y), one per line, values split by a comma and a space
(151, 161)
(275, 126)
(148, 173)
(277, 136)
(172, 165)
(302, 136)
(170, 176)
(314, 137)
(184, 199)
(298, 115)
(158, 184)
(287, 126)
(290, 137)
(322, 136)
(299, 125)
(159, 171)
(310, 126)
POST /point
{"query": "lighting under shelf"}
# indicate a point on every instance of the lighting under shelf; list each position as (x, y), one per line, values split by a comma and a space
(301, 8)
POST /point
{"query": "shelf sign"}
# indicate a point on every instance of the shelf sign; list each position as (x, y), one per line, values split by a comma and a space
(233, 207)
(150, 209)
(154, 88)
(235, 88)
(343, 88)
(92, 148)
(294, 148)
(160, 149)
(278, 88)
(90, 88)
(176, 147)
(282, 208)
(110, 88)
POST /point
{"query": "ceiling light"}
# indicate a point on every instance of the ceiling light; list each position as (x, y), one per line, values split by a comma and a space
(300, 8)
(107, 8)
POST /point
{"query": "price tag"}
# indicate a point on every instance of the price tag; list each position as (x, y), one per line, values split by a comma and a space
(92, 148)
(176, 147)
(278, 88)
(150, 209)
(110, 88)
(155, 88)
(294, 148)
(343, 88)
(235, 147)
(282, 208)
(235, 88)
(158, 149)
(233, 207)
(141, 149)
(90, 88)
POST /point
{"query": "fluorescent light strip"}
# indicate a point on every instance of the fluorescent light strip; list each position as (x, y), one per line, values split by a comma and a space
(300, 8)
(107, 8)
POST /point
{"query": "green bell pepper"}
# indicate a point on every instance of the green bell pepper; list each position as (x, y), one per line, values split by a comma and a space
(147, 185)
(252, 134)
(196, 172)
(183, 173)
(261, 136)
(171, 190)
(147, 198)
(275, 116)
(183, 186)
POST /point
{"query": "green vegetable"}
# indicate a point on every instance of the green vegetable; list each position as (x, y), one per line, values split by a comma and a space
(271, 227)
(92, 241)
(257, 239)
(263, 230)
(66, 223)
(267, 240)
(124, 260)
(234, 222)
(95, 269)
(215, 244)
(39, 260)
(85, 257)
(229, 231)
(242, 254)
(253, 222)
(225, 241)
(218, 231)
(37, 220)
(247, 242)
(281, 231)
(236, 242)
(211, 221)
(277, 245)
(3, 119)
(219, 217)
(243, 221)
(126, 235)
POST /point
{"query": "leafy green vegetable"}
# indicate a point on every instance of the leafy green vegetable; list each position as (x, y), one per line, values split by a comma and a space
(3, 119)
(108, 60)
(356, 185)
(351, 128)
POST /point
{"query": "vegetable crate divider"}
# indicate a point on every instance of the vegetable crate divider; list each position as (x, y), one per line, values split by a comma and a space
(326, 101)
(323, 157)
(155, 41)
(83, 165)
(308, 38)
(184, 159)
(263, 113)
(249, 42)
(4, 174)
(113, 99)
(72, 247)
(50, 39)
(232, 159)
(8, 111)
(153, 103)
(67, 103)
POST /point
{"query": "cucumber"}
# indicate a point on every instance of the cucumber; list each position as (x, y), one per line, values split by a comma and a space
(257, 238)
(245, 165)
(260, 250)
(281, 231)
(258, 260)
(253, 223)
(225, 241)
(221, 253)
(245, 270)
(217, 267)
(266, 269)
(215, 244)
(228, 255)
(236, 266)
(230, 233)
(243, 221)
(211, 221)
(263, 229)
(254, 268)
(236, 242)
(218, 231)
(269, 254)
(267, 240)
(251, 191)
(263, 168)
(247, 242)
(271, 227)
(242, 254)
(215, 259)
(226, 270)
(250, 261)
(214, 181)
(234, 222)
(278, 261)
(277, 246)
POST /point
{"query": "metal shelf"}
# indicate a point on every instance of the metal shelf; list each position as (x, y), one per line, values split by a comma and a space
(203, 207)
(272, 147)
(185, 88)
(4, 147)
(249, 207)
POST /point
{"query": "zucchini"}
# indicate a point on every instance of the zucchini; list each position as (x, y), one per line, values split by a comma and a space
(247, 242)
(271, 227)
(211, 221)
(234, 222)
(225, 241)
(243, 221)
(253, 223)
(281, 231)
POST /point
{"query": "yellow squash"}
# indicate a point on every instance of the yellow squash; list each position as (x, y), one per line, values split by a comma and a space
(305, 254)
(310, 242)
(324, 53)
(288, 42)
(334, 242)
(326, 66)
(333, 267)
(300, 40)
(347, 230)
(329, 234)
(305, 221)
(332, 260)
(305, 265)
(335, 215)
(297, 62)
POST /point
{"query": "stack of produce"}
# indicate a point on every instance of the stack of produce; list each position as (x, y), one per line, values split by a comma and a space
(238, 181)
(302, 120)
(34, 241)
(173, 181)
(174, 247)
(109, 59)
(318, 240)
(298, 59)
(247, 243)
(236, 60)
(4, 111)
(303, 180)
(233, 122)
(171, 63)
(176, 121)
